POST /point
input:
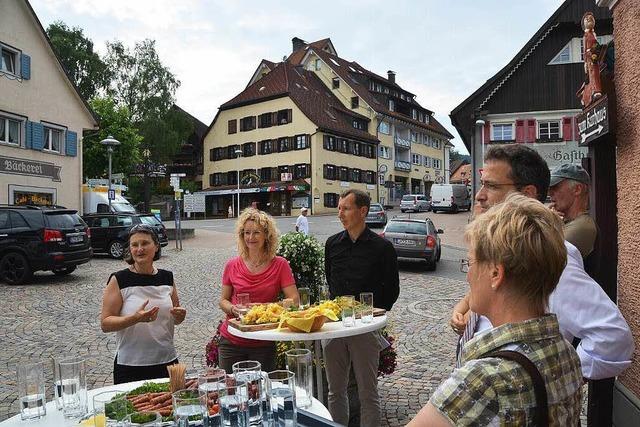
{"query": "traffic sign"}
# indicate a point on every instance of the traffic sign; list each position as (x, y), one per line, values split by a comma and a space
(112, 194)
(179, 175)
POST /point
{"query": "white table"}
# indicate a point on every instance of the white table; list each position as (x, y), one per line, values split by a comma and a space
(329, 330)
(54, 417)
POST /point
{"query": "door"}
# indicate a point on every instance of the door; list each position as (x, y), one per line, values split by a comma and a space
(6, 236)
(99, 226)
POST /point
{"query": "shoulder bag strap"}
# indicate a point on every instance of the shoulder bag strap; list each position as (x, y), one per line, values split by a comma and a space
(540, 391)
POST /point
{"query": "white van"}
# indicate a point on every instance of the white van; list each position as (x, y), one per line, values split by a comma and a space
(95, 200)
(450, 197)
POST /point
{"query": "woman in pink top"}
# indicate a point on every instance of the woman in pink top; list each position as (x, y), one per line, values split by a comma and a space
(260, 273)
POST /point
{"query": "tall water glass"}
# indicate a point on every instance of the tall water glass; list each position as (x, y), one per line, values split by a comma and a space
(143, 419)
(73, 378)
(234, 410)
(300, 362)
(250, 372)
(57, 382)
(366, 307)
(189, 408)
(110, 408)
(31, 390)
(281, 390)
(348, 313)
(305, 301)
(323, 292)
(209, 385)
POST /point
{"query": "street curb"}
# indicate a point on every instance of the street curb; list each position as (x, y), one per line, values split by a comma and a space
(454, 247)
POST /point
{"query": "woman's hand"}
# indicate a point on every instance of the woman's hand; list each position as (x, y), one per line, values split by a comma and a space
(235, 312)
(458, 322)
(146, 316)
(178, 313)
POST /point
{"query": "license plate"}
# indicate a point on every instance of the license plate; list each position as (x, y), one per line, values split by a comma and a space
(406, 242)
(76, 239)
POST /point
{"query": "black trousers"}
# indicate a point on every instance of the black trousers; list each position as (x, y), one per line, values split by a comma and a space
(127, 373)
(230, 354)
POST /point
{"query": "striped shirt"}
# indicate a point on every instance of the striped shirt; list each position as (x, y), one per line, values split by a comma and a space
(499, 392)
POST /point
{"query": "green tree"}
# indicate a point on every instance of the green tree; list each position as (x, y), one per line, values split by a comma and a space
(114, 121)
(454, 155)
(140, 82)
(84, 66)
(164, 135)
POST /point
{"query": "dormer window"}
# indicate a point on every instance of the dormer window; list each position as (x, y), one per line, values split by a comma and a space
(355, 102)
(335, 83)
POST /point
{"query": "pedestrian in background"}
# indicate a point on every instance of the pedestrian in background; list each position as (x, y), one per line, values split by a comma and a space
(302, 223)
(569, 193)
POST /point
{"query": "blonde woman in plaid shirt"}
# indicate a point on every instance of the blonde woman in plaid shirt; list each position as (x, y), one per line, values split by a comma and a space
(516, 255)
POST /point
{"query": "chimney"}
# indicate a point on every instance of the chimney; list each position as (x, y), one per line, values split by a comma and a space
(391, 76)
(297, 43)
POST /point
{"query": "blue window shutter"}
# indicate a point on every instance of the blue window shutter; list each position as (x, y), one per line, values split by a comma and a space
(37, 136)
(28, 138)
(25, 66)
(71, 144)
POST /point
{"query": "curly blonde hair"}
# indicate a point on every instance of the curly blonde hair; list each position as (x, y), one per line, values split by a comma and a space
(527, 239)
(268, 226)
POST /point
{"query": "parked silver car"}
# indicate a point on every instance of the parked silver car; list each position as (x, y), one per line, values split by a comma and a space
(377, 216)
(413, 238)
(415, 203)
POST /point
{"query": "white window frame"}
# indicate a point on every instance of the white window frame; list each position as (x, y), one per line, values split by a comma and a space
(392, 105)
(427, 162)
(385, 128)
(575, 51)
(548, 123)
(21, 129)
(16, 60)
(318, 64)
(416, 159)
(384, 152)
(436, 163)
(47, 130)
(504, 124)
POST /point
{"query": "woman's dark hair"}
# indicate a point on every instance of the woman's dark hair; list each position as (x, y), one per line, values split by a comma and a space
(144, 229)
(527, 167)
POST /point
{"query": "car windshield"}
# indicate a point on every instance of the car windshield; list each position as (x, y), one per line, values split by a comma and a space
(375, 208)
(150, 220)
(122, 207)
(63, 220)
(407, 227)
(407, 198)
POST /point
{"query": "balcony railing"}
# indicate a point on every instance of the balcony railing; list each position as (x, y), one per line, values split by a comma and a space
(402, 166)
(404, 143)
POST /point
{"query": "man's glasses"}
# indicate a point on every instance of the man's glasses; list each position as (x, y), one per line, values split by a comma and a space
(492, 186)
(465, 264)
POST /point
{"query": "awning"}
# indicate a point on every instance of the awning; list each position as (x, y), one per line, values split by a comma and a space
(260, 188)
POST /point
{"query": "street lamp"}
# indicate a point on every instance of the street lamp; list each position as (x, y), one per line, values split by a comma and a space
(479, 124)
(110, 142)
(146, 153)
(238, 155)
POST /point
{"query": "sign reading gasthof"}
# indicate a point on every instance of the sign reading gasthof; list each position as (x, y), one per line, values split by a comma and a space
(17, 166)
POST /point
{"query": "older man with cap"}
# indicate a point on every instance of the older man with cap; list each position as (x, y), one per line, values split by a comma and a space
(302, 223)
(569, 193)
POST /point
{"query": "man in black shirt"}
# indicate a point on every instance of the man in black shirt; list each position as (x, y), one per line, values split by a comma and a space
(358, 260)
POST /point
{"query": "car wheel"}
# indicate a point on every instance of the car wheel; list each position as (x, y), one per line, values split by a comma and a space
(64, 271)
(116, 249)
(439, 253)
(454, 208)
(432, 265)
(402, 210)
(15, 269)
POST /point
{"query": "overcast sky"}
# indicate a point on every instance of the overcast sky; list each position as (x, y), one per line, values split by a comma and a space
(441, 50)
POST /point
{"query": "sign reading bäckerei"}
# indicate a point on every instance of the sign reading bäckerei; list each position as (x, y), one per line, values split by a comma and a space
(17, 166)
(594, 121)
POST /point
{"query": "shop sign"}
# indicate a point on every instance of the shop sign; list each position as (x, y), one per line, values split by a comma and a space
(594, 121)
(17, 166)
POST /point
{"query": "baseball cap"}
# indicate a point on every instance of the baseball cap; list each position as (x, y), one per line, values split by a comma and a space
(303, 209)
(569, 171)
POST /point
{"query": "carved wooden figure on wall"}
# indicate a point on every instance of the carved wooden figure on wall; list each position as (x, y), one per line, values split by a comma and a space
(592, 87)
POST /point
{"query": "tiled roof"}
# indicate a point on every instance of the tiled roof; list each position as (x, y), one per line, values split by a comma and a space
(297, 56)
(350, 72)
(306, 90)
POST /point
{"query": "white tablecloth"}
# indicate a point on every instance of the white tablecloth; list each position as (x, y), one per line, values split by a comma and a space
(54, 417)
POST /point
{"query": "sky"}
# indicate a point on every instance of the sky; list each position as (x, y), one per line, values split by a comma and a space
(441, 51)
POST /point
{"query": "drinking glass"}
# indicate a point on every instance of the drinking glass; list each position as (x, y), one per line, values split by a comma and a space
(57, 382)
(281, 391)
(143, 419)
(250, 373)
(110, 408)
(243, 303)
(234, 411)
(73, 379)
(348, 314)
(323, 292)
(304, 298)
(300, 362)
(366, 309)
(209, 384)
(189, 409)
(31, 390)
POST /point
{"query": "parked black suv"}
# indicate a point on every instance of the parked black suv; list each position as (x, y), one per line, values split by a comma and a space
(110, 232)
(36, 238)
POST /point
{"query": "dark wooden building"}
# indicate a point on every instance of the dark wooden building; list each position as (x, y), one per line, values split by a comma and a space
(533, 98)
(189, 159)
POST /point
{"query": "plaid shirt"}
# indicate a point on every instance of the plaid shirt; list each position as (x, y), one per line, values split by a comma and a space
(500, 392)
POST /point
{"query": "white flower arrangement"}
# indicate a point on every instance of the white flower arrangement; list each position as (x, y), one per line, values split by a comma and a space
(306, 258)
